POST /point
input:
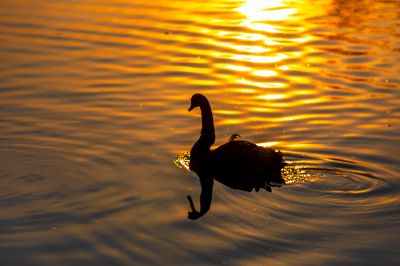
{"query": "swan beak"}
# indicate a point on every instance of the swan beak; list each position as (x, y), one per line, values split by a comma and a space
(190, 108)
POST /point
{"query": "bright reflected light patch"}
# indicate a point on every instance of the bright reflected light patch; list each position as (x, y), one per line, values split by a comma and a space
(294, 174)
(264, 73)
(272, 96)
(182, 160)
(267, 144)
(258, 12)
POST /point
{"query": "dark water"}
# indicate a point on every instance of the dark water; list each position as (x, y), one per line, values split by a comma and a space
(93, 111)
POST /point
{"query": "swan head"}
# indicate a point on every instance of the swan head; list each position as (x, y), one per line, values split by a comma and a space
(235, 137)
(197, 100)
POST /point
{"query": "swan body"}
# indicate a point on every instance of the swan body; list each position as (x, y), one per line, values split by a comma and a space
(238, 164)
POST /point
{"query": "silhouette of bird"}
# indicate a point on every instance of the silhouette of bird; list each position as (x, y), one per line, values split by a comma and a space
(238, 164)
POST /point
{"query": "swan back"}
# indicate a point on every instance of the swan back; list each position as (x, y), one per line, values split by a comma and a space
(244, 165)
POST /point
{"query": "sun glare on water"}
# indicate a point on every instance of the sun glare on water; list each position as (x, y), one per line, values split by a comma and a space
(259, 12)
(265, 24)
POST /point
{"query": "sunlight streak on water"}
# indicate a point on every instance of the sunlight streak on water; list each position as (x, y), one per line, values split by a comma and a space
(258, 12)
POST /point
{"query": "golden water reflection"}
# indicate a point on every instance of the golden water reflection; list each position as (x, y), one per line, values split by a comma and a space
(267, 24)
(258, 12)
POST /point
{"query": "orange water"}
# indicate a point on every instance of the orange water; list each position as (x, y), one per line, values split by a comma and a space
(93, 111)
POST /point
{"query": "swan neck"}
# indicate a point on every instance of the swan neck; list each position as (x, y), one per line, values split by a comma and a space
(207, 130)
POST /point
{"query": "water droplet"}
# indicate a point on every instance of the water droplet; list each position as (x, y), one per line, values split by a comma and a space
(55, 228)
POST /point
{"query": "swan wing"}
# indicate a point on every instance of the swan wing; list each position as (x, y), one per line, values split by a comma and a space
(245, 164)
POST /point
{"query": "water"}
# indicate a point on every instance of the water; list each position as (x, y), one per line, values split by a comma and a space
(93, 111)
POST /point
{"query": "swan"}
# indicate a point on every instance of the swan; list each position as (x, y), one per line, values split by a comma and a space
(238, 164)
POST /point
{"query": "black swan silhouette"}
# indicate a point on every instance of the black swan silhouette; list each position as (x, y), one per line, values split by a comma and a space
(238, 164)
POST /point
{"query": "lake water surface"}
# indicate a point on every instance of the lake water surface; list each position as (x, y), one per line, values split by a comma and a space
(93, 111)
